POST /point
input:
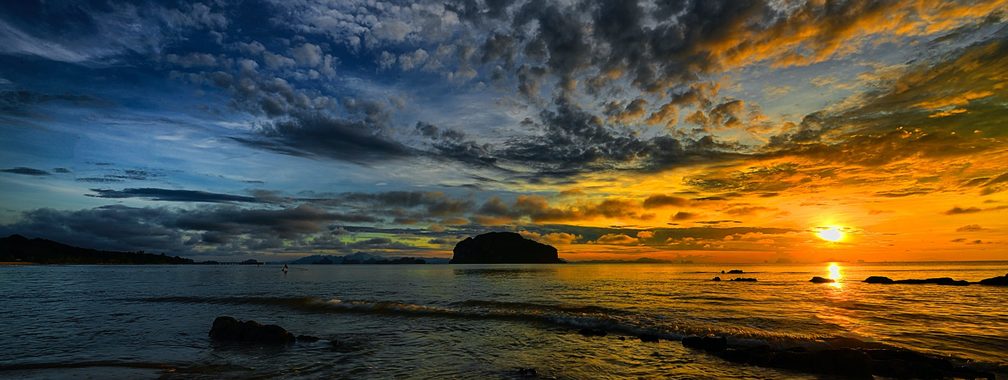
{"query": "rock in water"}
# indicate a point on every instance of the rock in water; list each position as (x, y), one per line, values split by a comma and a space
(229, 329)
(996, 281)
(744, 279)
(503, 248)
(820, 280)
(879, 280)
(707, 343)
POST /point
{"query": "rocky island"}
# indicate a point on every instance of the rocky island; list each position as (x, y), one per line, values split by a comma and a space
(503, 248)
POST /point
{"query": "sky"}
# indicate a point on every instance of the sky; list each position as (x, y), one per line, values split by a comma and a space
(710, 131)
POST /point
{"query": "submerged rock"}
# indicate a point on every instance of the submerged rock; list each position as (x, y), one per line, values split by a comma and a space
(527, 372)
(716, 278)
(995, 281)
(744, 279)
(852, 359)
(307, 338)
(229, 329)
(821, 280)
(503, 248)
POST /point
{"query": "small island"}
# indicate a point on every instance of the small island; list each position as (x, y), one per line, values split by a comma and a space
(19, 249)
(503, 248)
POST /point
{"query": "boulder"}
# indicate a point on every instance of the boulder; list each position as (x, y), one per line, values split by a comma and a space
(649, 337)
(229, 329)
(879, 280)
(995, 281)
(821, 280)
(706, 343)
(503, 248)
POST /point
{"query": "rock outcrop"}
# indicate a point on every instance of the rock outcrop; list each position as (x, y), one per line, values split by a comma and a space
(995, 281)
(503, 248)
(821, 280)
(933, 281)
(229, 329)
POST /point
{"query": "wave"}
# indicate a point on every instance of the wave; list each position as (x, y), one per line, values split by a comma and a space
(616, 321)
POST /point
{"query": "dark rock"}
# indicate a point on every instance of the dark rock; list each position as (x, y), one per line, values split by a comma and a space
(649, 338)
(527, 372)
(589, 331)
(503, 248)
(933, 281)
(821, 280)
(716, 278)
(879, 280)
(734, 271)
(743, 279)
(307, 339)
(707, 343)
(229, 329)
(995, 281)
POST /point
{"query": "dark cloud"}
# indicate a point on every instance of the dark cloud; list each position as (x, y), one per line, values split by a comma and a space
(172, 195)
(574, 141)
(960, 210)
(662, 200)
(325, 136)
(26, 171)
(21, 102)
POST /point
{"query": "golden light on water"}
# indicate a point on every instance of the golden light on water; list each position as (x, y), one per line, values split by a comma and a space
(831, 234)
(834, 272)
(835, 275)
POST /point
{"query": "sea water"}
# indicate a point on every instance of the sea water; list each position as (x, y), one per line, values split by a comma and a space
(476, 321)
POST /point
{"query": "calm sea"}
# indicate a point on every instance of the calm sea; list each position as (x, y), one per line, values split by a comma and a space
(473, 321)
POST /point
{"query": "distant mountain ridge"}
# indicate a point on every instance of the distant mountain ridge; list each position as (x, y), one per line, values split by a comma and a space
(17, 248)
(361, 258)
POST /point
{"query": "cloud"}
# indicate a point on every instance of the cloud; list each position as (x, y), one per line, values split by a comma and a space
(662, 200)
(959, 210)
(615, 239)
(324, 136)
(172, 195)
(970, 228)
(26, 171)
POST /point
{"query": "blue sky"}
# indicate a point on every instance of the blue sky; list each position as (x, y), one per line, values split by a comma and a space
(608, 128)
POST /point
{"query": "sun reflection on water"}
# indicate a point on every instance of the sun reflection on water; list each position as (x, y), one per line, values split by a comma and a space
(834, 274)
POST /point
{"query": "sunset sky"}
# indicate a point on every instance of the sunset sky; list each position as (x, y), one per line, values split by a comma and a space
(729, 131)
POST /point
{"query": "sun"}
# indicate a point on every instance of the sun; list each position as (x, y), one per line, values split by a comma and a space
(832, 234)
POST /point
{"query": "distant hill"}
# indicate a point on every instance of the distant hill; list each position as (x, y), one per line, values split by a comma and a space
(358, 258)
(17, 248)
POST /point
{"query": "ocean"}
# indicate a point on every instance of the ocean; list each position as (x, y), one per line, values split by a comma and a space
(477, 321)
